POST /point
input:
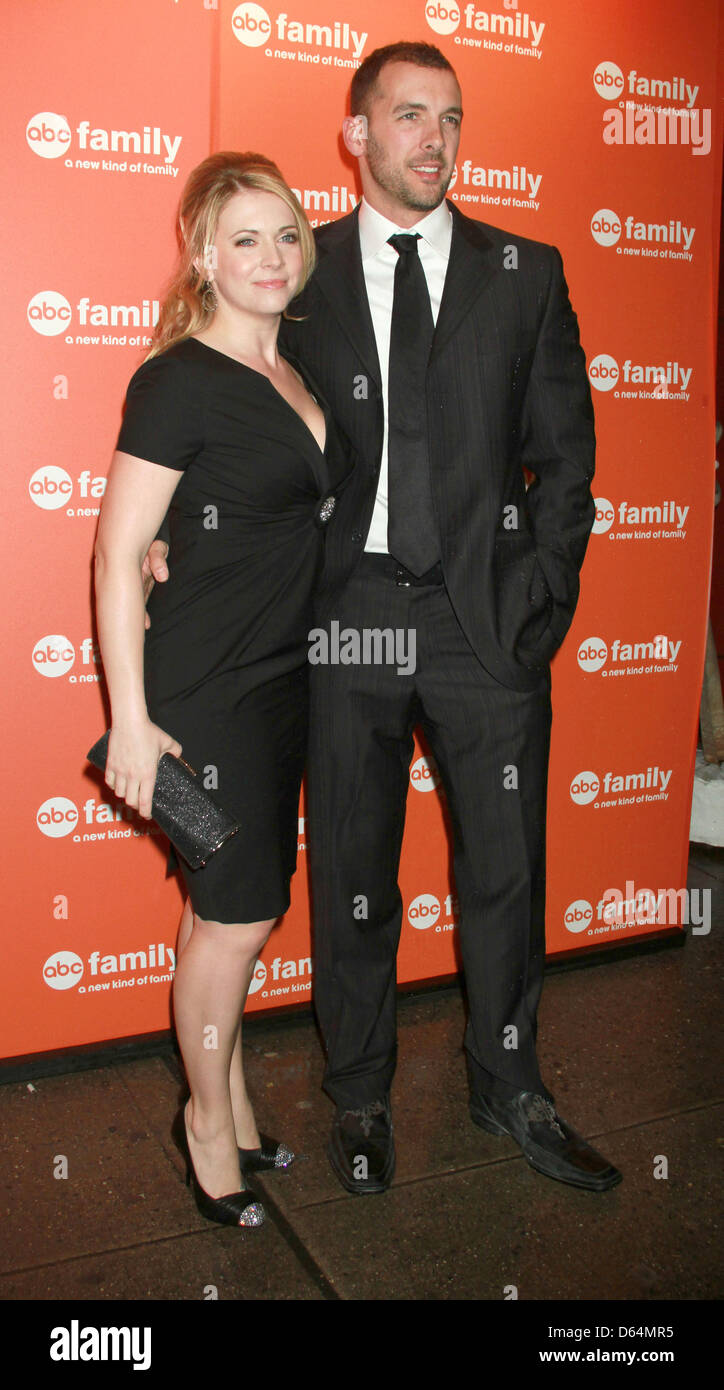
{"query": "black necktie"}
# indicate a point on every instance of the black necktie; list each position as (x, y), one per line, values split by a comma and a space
(411, 529)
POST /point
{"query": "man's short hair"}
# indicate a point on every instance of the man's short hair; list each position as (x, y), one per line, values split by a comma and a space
(423, 55)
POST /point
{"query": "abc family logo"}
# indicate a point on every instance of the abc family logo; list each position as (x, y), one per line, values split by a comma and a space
(299, 970)
(251, 25)
(50, 314)
(604, 374)
(587, 785)
(608, 80)
(424, 911)
(607, 228)
(50, 487)
(443, 18)
(668, 516)
(49, 135)
(63, 970)
(57, 817)
(54, 655)
(424, 775)
(593, 652)
(578, 915)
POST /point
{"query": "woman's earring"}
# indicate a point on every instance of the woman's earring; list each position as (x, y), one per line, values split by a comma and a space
(208, 297)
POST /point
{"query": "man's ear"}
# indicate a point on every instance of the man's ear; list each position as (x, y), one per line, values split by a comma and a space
(354, 134)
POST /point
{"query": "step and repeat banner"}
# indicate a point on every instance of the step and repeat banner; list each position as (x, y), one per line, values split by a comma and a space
(593, 129)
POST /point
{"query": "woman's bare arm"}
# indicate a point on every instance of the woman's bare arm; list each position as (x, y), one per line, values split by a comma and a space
(136, 500)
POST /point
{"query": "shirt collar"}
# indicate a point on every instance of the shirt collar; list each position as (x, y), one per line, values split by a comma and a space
(375, 229)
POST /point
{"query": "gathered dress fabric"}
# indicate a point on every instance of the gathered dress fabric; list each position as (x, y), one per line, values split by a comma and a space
(225, 659)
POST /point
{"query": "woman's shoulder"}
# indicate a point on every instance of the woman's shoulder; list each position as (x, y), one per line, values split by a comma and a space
(164, 415)
(174, 369)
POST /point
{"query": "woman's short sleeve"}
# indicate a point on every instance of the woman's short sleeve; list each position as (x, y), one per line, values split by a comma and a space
(164, 418)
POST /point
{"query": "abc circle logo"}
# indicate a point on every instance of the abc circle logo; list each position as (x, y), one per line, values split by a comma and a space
(258, 979)
(63, 970)
(605, 227)
(49, 313)
(53, 656)
(608, 80)
(584, 788)
(50, 487)
(605, 516)
(251, 25)
(57, 816)
(48, 134)
(423, 911)
(603, 372)
(578, 915)
(592, 654)
(424, 775)
(443, 18)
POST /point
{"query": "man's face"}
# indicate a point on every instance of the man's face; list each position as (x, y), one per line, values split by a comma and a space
(413, 136)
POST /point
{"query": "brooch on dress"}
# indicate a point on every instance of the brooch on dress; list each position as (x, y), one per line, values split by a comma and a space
(325, 510)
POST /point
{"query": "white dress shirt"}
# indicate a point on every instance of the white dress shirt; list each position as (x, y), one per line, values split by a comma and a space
(378, 263)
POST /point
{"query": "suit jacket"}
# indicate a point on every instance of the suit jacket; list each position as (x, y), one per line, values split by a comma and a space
(506, 388)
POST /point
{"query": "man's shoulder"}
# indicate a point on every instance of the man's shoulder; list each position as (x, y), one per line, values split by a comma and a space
(330, 234)
(483, 234)
(534, 252)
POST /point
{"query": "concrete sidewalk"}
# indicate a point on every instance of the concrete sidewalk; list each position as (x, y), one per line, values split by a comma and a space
(630, 1049)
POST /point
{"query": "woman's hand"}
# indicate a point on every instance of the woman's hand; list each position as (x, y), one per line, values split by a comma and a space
(154, 570)
(133, 754)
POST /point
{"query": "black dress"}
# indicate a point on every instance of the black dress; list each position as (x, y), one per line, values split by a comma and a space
(226, 654)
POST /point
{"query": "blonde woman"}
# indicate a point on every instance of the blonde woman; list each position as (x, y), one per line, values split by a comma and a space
(233, 441)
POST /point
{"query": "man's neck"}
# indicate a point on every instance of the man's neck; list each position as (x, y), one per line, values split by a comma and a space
(395, 211)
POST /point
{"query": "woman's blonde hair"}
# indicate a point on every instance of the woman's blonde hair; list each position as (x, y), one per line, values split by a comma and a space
(189, 303)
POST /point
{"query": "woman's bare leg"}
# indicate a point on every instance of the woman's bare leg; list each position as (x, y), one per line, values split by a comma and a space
(247, 1134)
(210, 988)
(186, 927)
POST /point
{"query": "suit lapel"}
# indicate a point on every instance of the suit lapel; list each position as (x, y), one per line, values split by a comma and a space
(469, 270)
(340, 278)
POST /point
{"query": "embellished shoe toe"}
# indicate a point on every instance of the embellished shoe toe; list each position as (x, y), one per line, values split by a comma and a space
(235, 1208)
(271, 1154)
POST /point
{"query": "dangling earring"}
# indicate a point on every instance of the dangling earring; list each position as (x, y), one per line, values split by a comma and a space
(208, 296)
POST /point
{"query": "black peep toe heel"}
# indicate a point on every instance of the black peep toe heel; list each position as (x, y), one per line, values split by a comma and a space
(234, 1209)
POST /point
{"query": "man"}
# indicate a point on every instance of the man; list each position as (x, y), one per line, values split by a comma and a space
(449, 353)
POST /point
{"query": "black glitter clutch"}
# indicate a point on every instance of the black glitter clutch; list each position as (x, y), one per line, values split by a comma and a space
(195, 824)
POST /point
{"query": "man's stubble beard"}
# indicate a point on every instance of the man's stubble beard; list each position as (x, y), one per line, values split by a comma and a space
(392, 180)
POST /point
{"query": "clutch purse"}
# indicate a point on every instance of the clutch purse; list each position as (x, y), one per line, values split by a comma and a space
(195, 824)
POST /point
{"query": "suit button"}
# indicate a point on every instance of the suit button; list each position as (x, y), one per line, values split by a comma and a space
(357, 536)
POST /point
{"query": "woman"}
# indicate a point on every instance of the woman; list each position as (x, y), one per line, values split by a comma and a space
(226, 435)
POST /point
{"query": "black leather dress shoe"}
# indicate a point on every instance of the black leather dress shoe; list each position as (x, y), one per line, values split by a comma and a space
(361, 1148)
(548, 1143)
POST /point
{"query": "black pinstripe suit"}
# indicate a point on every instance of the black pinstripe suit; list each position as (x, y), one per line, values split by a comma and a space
(506, 388)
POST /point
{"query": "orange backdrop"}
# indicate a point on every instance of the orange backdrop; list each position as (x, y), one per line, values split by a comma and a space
(570, 115)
